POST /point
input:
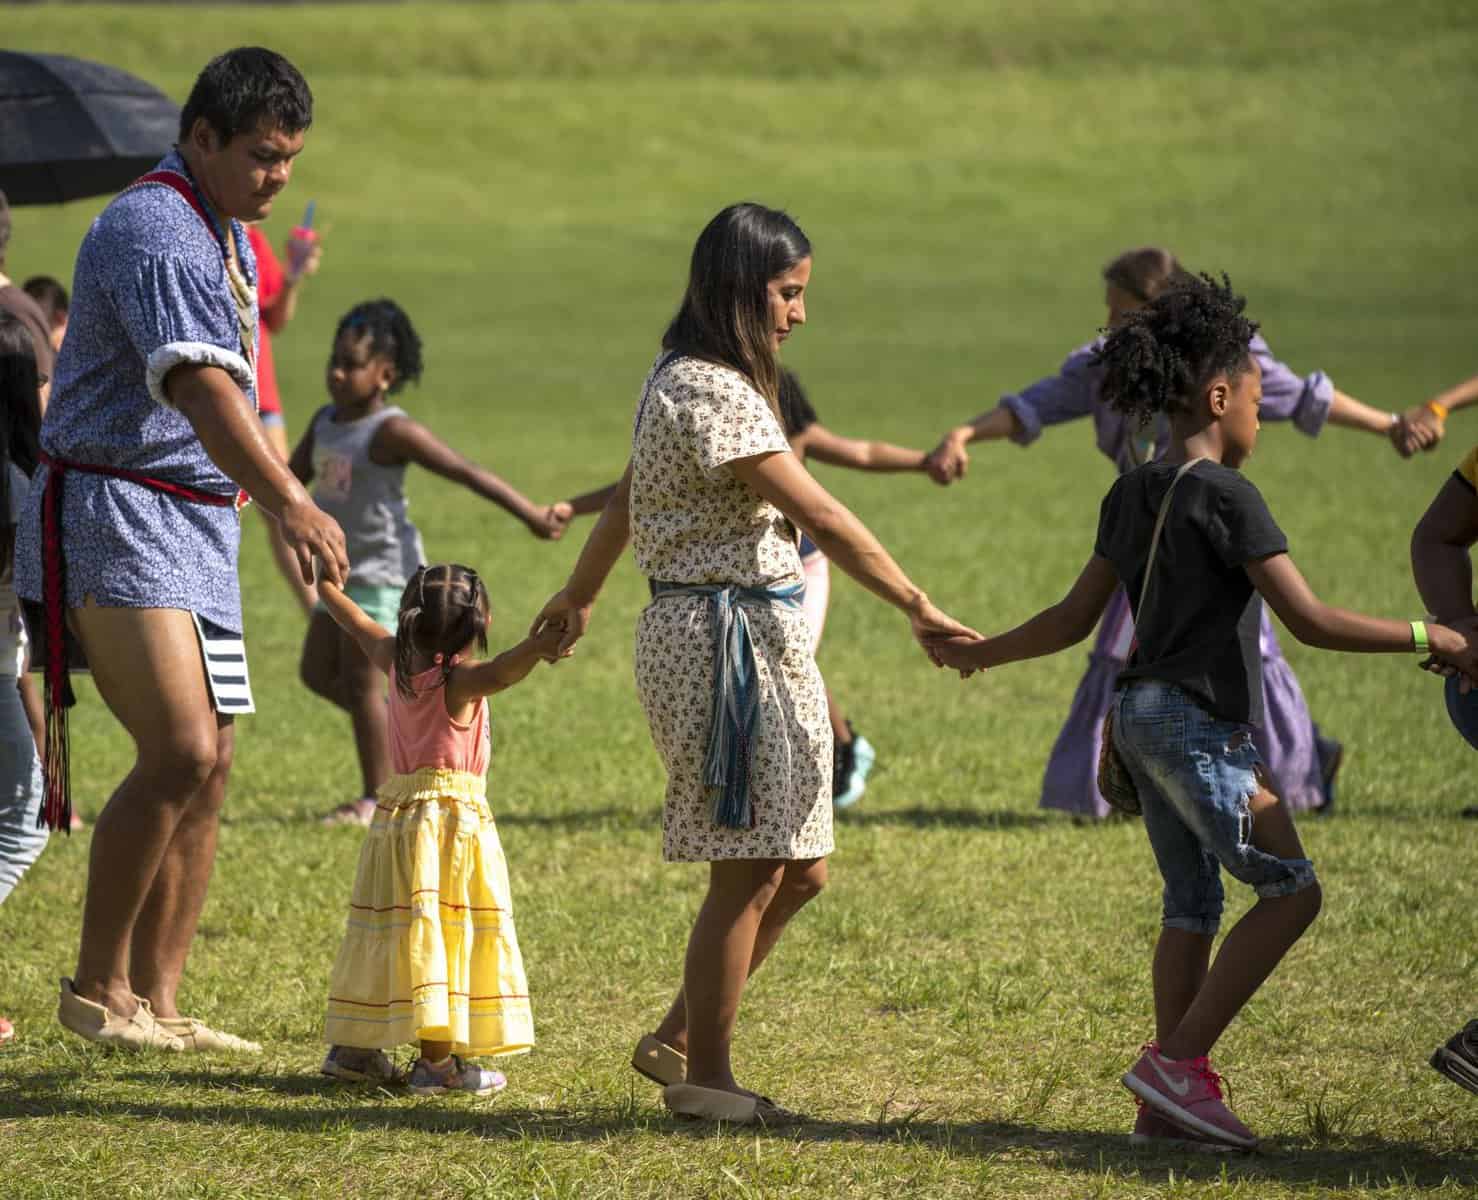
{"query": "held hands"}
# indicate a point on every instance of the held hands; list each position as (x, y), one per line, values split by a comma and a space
(949, 460)
(1454, 652)
(546, 641)
(565, 616)
(933, 628)
(311, 532)
(550, 523)
(962, 654)
(1419, 428)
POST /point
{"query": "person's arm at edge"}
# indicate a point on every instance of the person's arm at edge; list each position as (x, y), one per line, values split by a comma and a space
(1440, 552)
(831, 448)
(570, 607)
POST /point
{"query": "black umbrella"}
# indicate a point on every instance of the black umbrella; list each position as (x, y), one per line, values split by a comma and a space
(71, 128)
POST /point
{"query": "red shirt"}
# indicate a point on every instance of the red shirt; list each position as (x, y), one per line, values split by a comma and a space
(270, 283)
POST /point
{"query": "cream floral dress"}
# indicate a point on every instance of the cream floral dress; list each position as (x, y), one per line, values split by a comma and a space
(693, 522)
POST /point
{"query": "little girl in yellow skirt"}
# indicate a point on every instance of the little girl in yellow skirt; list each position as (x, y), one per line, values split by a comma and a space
(429, 953)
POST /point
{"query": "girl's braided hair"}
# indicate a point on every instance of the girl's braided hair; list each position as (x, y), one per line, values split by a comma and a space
(1154, 362)
(390, 333)
(443, 607)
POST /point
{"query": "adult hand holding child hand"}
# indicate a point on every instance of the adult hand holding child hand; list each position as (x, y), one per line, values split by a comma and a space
(932, 627)
(564, 613)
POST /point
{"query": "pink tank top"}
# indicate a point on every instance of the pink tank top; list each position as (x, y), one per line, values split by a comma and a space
(422, 734)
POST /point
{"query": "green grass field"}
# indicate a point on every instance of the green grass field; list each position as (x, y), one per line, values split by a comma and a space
(527, 180)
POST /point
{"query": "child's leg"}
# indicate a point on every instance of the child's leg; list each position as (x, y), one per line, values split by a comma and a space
(362, 693)
(841, 732)
(1179, 971)
(800, 882)
(1256, 944)
(319, 665)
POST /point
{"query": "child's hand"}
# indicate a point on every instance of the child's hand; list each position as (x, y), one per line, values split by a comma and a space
(547, 641)
(551, 522)
(960, 653)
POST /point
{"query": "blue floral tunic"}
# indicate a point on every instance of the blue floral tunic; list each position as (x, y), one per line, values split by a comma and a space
(150, 293)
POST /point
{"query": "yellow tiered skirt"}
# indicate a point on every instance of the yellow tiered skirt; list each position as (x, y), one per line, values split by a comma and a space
(429, 951)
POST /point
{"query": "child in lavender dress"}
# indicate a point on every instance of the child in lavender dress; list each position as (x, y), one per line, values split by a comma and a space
(1302, 762)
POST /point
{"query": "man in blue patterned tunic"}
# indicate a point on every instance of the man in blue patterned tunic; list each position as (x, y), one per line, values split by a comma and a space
(130, 540)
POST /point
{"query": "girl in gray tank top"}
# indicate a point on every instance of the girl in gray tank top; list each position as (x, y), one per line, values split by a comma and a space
(354, 456)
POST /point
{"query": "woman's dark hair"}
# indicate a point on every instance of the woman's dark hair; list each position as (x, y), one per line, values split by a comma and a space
(443, 607)
(796, 413)
(1156, 360)
(51, 298)
(20, 418)
(725, 313)
(390, 333)
(1145, 272)
(242, 87)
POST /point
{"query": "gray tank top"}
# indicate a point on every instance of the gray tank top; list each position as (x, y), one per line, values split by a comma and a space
(367, 500)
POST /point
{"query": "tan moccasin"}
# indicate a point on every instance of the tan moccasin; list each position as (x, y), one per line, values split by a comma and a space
(659, 1062)
(200, 1038)
(712, 1104)
(97, 1023)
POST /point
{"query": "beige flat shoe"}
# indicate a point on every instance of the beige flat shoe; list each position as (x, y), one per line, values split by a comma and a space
(659, 1062)
(99, 1024)
(711, 1104)
(198, 1037)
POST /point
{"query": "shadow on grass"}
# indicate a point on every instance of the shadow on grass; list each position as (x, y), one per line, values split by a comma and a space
(1354, 1163)
(921, 817)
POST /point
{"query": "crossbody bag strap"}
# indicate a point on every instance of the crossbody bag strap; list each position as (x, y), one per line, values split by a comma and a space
(1149, 566)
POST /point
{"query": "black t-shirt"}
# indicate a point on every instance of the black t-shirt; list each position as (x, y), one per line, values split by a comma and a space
(1200, 630)
(796, 413)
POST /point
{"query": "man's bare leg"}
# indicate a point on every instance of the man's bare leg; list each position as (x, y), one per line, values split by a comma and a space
(147, 666)
(166, 925)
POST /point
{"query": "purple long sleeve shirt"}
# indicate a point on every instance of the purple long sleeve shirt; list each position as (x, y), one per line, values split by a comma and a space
(1073, 393)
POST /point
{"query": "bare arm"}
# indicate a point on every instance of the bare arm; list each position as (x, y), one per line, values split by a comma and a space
(467, 683)
(569, 608)
(1430, 419)
(377, 643)
(1321, 625)
(591, 502)
(233, 437)
(1440, 546)
(784, 482)
(825, 446)
(1352, 414)
(401, 440)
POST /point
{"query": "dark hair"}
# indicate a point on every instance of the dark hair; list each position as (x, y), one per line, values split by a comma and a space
(1155, 361)
(725, 313)
(796, 413)
(443, 607)
(390, 333)
(20, 417)
(49, 295)
(241, 87)
(4, 225)
(1145, 272)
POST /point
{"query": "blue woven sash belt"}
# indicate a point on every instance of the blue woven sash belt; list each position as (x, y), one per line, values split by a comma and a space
(735, 690)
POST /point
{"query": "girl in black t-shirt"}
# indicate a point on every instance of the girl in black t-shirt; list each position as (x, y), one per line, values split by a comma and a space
(1182, 718)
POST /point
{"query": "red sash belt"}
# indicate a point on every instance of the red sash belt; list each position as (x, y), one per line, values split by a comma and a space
(56, 809)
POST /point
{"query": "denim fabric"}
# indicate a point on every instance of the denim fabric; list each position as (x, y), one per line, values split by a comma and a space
(1463, 710)
(21, 842)
(1195, 775)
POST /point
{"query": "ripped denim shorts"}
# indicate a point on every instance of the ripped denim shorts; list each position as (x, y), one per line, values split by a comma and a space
(1195, 775)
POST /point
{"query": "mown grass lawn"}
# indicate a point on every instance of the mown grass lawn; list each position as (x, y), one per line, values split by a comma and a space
(527, 180)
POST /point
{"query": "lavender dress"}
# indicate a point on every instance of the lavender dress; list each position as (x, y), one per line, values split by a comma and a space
(1288, 738)
(149, 293)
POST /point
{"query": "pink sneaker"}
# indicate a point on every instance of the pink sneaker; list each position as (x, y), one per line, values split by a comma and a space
(1187, 1093)
(1154, 1132)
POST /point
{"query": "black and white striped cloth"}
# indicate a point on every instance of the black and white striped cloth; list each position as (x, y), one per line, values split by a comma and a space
(225, 668)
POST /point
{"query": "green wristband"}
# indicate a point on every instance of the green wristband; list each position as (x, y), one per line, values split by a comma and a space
(1419, 637)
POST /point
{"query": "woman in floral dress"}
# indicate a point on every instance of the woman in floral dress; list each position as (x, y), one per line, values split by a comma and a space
(711, 501)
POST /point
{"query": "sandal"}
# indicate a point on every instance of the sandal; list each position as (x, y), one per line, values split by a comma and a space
(659, 1062)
